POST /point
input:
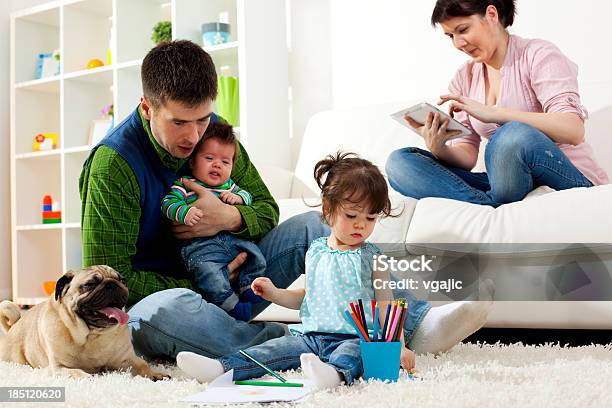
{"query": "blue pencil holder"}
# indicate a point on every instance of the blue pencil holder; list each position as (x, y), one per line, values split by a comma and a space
(381, 360)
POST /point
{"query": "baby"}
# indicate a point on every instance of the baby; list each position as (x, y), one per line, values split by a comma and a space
(206, 259)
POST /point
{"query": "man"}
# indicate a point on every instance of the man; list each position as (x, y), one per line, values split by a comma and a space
(122, 184)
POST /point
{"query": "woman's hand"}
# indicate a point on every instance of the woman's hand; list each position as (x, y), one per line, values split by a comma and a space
(484, 113)
(264, 287)
(434, 133)
(407, 359)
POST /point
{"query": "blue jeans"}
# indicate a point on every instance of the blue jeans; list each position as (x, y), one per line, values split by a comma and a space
(518, 159)
(206, 261)
(341, 351)
(174, 320)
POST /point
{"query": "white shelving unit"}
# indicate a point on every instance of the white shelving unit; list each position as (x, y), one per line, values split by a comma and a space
(67, 103)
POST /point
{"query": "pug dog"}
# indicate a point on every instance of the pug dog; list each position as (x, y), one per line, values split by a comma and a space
(81, 331)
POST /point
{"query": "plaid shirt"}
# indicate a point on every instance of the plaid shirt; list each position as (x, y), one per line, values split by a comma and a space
(110, 215)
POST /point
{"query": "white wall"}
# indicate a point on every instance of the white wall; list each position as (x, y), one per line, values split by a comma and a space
(310, 57)
(387, 51)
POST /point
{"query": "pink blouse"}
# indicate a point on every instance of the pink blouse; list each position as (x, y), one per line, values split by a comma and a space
(535, 77)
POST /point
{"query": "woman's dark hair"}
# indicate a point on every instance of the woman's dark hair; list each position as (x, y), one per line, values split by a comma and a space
(345, 177)
(179, 71)
(445, 9)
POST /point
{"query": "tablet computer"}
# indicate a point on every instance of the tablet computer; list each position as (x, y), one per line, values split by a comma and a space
(419, 113)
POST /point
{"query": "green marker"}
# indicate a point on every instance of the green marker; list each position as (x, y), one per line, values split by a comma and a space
(269, 384)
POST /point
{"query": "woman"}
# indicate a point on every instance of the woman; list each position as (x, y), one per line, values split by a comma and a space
(521, 95)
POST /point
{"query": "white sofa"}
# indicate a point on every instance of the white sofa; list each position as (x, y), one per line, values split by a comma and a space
(545, 216)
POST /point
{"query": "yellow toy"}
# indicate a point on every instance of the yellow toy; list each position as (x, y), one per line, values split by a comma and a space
(94, 63)
(46, 141)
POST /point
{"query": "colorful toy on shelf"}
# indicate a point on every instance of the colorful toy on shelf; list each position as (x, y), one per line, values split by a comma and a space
(46, 141)
(48, 64)
(51, 213)
(94, 63)
(49, 287)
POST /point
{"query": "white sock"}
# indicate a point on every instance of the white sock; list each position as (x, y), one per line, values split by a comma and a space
(201, 368)
(323, 375)
(445, 326)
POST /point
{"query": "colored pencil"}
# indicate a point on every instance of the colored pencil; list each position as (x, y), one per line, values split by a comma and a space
(360, 317)
(386, 321)
(268, 384)
(373, 303)
(403, 319)
(353, 322)
(268, 370)
(354, 310)
(396, 333)
(376, 323)
(363, 315)
(364, 330)
(395, 318)
(391, 318)
(358, 325)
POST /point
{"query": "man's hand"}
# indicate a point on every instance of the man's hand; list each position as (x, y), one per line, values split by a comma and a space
(193, 216)
(264, 287)
(233, 267)
(231, 198)
(407, 359)
(217, 216)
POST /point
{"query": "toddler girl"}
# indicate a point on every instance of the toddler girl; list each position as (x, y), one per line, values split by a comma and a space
(338, 271)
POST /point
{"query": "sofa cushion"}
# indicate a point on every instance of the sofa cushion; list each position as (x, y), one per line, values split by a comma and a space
(387, 230)
(579, 215)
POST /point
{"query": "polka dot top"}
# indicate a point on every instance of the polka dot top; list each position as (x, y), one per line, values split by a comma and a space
(335, 278)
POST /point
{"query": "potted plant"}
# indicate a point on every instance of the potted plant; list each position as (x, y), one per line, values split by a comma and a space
(162, 31)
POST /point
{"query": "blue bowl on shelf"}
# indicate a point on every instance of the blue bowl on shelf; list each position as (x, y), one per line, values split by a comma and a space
(215, 34)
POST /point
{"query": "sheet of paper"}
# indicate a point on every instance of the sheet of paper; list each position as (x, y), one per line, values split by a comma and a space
(223, 391)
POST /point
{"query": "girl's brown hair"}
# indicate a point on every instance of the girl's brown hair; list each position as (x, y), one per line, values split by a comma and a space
(347, 178)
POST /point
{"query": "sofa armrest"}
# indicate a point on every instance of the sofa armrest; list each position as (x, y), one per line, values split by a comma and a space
(278, 180)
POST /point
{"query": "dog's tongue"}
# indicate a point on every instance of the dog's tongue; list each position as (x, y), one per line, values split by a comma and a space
(117, 314)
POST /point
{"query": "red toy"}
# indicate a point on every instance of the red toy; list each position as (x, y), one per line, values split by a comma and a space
(50, 211)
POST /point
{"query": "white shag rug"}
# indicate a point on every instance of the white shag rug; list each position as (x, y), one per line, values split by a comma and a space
(470, 375)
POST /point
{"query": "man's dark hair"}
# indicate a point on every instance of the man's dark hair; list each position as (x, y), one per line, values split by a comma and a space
(179, 71)
(222, 132)
(445, 9)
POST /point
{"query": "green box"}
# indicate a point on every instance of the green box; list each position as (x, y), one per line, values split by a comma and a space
(52, 221)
